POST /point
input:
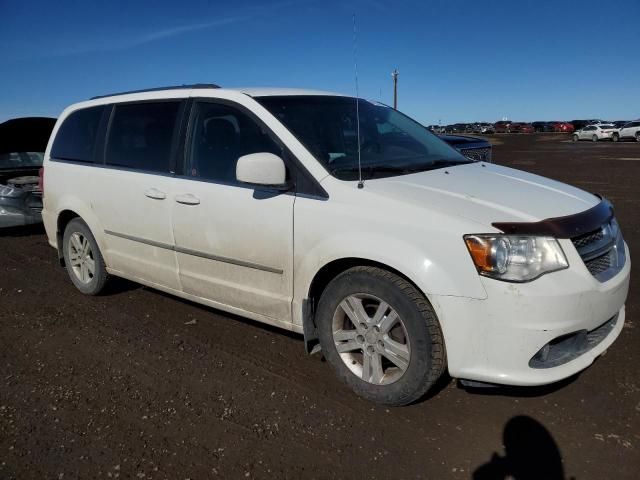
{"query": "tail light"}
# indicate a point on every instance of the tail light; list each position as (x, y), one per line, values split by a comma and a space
(41, 180)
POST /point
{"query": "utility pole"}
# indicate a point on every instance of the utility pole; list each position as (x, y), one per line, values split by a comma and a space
(395, 74)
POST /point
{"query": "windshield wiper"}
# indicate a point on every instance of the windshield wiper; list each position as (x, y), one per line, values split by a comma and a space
(370, 169)
(442, 163)
(406, 168)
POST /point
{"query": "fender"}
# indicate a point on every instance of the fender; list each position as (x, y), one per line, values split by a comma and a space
(72, 203)
(424, 269)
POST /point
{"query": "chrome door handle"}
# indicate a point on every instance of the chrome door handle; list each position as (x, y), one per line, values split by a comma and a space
(188, 199)
(155, 194)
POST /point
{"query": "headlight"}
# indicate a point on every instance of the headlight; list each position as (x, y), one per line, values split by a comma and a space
(515, 258)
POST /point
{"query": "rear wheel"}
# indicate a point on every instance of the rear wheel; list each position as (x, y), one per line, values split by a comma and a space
(83, 259)
(615, 137)
(594, 138)
(380, 335)
(638, 136)
(575, 138)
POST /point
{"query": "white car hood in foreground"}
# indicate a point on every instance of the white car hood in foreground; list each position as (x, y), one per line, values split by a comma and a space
(486, 193)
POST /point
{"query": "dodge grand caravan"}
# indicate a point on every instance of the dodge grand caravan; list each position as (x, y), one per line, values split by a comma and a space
(343, 220)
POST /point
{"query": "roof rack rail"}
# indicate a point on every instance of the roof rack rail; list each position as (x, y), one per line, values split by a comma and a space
(156, 89)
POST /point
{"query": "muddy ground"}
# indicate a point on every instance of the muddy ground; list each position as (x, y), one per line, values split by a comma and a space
(137, 384)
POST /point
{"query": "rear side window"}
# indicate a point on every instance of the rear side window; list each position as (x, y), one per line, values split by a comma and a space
(141, 136)
(76, 136)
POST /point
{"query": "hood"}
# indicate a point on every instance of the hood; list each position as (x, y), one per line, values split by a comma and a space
(29, 134)
(486, 193)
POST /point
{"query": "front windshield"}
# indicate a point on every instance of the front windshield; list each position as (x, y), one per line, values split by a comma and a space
(18, 160)
(390, 142)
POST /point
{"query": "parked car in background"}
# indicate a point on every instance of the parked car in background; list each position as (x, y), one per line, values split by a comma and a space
(503, 126)
(541, 127)
(563, 127)
(22, 145)
(473, 148)
(437, 129)
(579, 124)
(521, 127)
(456, 128)
(266, 206)
(630, 130)
(620, 123)
(595, 133)
(486, 128)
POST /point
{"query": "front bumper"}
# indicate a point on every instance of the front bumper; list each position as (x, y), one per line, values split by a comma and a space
(494, 340)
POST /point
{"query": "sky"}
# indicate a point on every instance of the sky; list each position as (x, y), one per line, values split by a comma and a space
(459, 61)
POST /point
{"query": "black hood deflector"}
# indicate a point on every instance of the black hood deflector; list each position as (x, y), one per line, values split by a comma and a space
(563, 227)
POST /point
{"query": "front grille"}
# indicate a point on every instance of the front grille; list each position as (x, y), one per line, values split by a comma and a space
(602, 250)
(587, 239)
(481, 154)
(599, 264)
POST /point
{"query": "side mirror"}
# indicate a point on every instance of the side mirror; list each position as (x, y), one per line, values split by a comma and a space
(262, 169)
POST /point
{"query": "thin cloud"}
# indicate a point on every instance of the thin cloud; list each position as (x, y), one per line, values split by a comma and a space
(135, 41)
(172, 32)
(123, 43)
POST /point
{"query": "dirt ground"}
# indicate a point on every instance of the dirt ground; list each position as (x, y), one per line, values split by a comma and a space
(138, 384)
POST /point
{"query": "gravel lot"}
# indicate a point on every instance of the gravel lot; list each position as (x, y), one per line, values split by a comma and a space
(138, 384)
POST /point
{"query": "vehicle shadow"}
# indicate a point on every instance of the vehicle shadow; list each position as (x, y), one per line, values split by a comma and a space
(117, 285)
(530, 453)
(522, 392)
(223, 313)
(23, 230)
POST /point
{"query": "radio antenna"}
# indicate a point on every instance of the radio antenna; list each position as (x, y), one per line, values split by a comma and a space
(355, 71)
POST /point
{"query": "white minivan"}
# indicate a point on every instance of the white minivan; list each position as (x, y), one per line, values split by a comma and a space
(343, 220)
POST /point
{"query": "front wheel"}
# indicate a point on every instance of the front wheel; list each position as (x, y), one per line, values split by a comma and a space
(615, 137)
(594, 138)
(380, 335)
(637, 136)
(575, 138)
(82, 258)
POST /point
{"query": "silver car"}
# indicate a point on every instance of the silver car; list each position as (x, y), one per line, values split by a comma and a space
(22, 145)
(602, 131)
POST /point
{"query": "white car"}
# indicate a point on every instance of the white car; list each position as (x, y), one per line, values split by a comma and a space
(630, 130)
(601, 131)
(388, 250)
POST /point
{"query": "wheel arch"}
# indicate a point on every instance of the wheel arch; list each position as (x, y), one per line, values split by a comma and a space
(67, 213)
(64, 217)
(321, 280)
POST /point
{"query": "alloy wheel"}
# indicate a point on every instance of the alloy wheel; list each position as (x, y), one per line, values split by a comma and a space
(81, 258)
(371, 339)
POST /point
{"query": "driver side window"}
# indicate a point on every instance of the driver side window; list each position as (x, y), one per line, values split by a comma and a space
(221, 134)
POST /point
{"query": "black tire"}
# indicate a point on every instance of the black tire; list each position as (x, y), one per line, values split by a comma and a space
(99, 277)
(637, 136)
(575, 138)
(594, 138)
(427, 361)
(615, 137)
